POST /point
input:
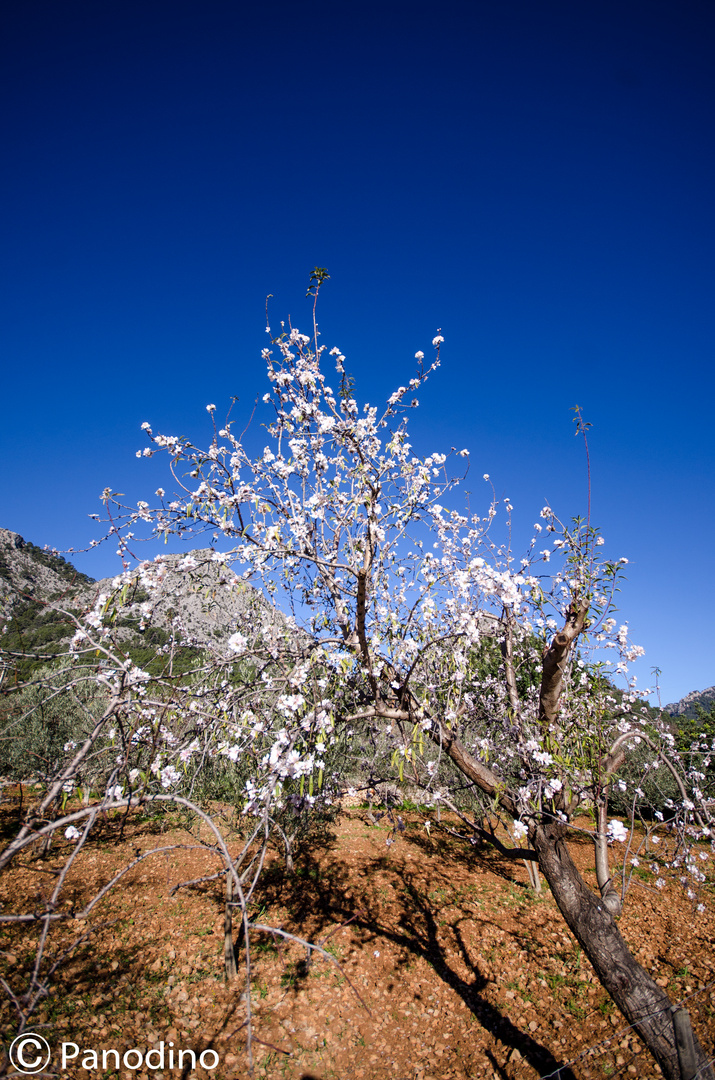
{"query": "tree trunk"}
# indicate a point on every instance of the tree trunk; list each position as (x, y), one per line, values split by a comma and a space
(610, 897)
(533, 871)
(643, 1004)
(229, 951)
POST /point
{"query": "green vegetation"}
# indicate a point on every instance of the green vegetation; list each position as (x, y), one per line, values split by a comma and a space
(56, 563)
(39, 722)
(34, 632)
(695, 742)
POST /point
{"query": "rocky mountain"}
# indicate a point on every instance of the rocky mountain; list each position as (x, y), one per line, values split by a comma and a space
(29, 572)
(198, 598)
(687, 706)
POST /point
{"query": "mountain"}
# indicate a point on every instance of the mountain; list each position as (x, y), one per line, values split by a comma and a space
(199, 599)
(34, 587)
(27, 571)
(687, 706)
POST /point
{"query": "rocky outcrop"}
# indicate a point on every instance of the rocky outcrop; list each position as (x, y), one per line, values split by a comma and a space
(198, 596)
(687, 706)
(28, 572)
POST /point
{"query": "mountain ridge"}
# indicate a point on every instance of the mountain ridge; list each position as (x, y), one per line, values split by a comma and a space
(198, 600)
(688, 705)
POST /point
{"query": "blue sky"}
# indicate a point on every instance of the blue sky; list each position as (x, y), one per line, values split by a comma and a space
(534, 178)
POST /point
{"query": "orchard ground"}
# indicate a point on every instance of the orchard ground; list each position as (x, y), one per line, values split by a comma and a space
(450, 966)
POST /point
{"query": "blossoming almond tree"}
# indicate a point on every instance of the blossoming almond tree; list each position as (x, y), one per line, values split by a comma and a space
(146, 739)
(342, 520)
(399, 595)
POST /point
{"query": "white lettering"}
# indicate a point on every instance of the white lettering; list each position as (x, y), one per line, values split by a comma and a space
(139, 1055)
(65, 1055)
(157, 1050)
(30, 1040)
(134, 1059)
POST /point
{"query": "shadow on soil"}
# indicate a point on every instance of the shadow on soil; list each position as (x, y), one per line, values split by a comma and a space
(317, 895)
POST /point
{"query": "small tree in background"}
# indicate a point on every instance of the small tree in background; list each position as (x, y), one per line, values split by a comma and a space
(101, 736)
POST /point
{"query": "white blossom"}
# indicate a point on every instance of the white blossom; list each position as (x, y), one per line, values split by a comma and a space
(237, 643)
(617, 831)
(519, 830)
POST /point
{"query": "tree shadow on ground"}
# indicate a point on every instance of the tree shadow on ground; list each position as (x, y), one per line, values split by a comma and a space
(318, 895)
(481, 855)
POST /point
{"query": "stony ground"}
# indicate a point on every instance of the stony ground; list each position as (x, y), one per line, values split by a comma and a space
(447, 966)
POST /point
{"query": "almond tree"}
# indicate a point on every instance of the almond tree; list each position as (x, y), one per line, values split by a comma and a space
(399, 592)
(146, 739)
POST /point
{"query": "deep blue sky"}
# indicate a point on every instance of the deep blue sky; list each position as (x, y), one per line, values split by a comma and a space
(534, 177)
